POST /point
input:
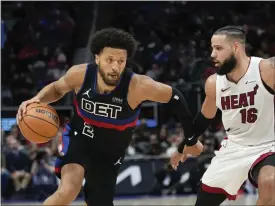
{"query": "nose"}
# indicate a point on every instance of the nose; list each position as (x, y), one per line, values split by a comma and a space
(213, 54)
(115, 66)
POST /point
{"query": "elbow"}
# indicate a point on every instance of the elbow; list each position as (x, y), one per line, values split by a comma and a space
(59, 94)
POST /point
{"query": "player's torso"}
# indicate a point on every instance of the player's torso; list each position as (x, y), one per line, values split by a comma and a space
(247, 107)
(106, 119)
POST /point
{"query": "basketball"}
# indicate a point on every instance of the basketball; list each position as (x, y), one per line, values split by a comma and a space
(40, 123)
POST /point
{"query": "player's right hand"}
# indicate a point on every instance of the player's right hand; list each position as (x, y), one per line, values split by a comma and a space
(23, 108)
(176, 158)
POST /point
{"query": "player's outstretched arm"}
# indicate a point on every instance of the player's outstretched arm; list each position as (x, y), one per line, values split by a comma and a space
(72, 80)
(148, 89)
(267, 67)
(205, 116)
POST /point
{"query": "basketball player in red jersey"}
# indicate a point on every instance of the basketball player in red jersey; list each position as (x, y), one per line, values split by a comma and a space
(108, 99)
(243, 89)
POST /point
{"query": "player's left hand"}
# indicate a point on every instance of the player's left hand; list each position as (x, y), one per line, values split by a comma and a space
(176, 158)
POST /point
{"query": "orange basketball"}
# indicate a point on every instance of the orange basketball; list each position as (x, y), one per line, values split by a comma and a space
(40, 123)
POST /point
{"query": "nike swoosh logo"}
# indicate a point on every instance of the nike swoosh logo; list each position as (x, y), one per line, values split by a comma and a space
(229, 129)
(248, 82)
(190, 138)
(223, 90)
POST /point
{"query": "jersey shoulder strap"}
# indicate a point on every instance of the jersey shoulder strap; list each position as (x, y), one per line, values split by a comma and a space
(89, 78)
(124, 83)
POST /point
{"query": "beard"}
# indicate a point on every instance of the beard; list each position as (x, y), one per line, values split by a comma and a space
(227, 66)
(110, 79)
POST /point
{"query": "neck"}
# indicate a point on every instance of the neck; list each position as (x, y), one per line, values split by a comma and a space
(102, 87)
(240, 70)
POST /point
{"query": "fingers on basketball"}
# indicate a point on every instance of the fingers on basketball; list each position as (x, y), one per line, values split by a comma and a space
(40, 123)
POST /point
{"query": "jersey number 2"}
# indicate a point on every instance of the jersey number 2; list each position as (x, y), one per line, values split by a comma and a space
(249, 116)
(88, 130)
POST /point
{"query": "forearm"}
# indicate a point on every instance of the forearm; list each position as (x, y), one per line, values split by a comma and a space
(200, 124)
(178, 106)
(49, 94)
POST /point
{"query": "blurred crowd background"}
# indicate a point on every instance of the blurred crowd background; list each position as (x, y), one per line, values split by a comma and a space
(41, 40)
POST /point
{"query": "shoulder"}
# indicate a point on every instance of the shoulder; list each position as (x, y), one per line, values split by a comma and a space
(267, 71)
(140, 81)
(78, 69)
(267, 63)
(76, 72)
(74, 77)
(210, 85)
(211, 82)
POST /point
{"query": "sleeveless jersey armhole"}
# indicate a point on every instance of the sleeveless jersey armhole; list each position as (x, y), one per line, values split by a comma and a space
(129, 107)
(84, 80)
(269, 91)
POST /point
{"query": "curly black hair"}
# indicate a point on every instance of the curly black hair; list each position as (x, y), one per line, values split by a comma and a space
(114, 38)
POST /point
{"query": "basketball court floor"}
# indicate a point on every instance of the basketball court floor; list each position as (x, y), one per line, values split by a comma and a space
(168, 200)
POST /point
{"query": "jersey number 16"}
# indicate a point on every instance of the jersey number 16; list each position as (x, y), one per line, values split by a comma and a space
(249, 116)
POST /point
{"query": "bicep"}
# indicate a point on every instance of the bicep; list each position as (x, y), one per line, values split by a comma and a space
(267, 68)
(209, 108)
(73, 79)
(62, 86)
(154, 91)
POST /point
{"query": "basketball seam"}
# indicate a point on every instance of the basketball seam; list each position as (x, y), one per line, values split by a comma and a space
(48, 107)
(35, 131)
(41, 119)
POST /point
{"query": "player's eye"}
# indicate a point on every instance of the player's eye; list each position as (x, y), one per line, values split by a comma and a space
(109, 60)
(120, 61)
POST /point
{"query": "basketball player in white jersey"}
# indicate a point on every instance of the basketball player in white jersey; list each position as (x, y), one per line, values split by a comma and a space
(243, 89)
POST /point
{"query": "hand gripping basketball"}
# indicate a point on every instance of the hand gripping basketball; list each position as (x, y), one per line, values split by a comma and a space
(23, 108)
(38, 122)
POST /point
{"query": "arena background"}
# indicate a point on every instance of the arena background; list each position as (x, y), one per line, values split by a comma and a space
(41, 40)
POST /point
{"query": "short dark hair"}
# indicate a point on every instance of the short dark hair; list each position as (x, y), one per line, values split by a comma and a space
(234, 32)
(114, 38)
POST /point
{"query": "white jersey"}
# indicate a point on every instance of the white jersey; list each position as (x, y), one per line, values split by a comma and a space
(247, 107)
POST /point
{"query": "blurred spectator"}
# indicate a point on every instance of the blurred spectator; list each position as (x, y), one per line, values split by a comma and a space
(6, 190)
(18, 163)
(34, 34)
(44, 181)
(166, 179)
(38, 49)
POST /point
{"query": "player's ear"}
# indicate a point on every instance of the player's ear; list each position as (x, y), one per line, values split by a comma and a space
(97, 59)
(236, 45)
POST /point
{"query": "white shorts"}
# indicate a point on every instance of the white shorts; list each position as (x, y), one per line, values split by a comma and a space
(230, 167)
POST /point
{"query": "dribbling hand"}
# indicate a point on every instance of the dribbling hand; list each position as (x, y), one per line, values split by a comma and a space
(23, 108)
